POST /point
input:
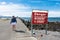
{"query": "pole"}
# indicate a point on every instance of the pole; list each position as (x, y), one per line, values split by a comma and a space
(31, 30)
(46, 29)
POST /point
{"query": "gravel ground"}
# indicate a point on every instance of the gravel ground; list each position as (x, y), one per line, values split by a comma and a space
(51, 35)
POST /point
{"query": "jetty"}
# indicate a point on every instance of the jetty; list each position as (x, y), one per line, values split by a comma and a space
(21, 33)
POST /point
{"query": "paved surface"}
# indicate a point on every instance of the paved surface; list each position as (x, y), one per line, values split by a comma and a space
(22, 32)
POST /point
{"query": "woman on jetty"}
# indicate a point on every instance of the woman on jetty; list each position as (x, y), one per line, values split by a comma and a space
(13, 23)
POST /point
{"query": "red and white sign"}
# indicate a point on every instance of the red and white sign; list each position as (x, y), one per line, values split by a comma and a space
(39, 17)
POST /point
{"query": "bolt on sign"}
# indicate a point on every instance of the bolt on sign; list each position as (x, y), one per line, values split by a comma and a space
(39, 17)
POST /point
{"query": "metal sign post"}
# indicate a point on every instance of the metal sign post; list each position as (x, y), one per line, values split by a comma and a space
(31, 30)
(31, 27)
(39, 17)
(46, 29)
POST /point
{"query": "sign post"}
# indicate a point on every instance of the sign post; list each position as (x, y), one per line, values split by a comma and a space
(46, 29)
(40, 17)
(31, 30)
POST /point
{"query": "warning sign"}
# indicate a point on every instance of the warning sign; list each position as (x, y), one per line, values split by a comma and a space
(39, 17)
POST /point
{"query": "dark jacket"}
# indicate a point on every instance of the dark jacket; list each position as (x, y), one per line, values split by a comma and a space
(13, 20)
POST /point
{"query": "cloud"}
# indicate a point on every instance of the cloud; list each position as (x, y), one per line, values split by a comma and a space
(54, 13)
(3, 3)
(9, 9)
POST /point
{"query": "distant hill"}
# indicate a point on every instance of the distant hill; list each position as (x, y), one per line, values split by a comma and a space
(5, 16)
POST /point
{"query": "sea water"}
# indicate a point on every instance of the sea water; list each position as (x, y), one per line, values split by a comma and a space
(50, 19)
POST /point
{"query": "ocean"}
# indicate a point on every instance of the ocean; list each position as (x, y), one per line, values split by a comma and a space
(50, 19)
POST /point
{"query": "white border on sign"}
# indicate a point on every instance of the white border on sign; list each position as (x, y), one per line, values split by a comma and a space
(40, 11)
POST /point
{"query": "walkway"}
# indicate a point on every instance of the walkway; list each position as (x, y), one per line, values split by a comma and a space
(22, 32)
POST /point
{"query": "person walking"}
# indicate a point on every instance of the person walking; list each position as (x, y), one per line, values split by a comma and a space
(13, 23)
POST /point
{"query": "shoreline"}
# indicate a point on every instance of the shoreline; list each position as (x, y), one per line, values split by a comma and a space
(52, 26)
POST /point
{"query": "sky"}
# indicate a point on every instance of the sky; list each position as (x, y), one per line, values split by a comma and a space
(23, 8)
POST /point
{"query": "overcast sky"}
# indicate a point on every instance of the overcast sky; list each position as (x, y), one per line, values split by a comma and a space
(24, 8)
